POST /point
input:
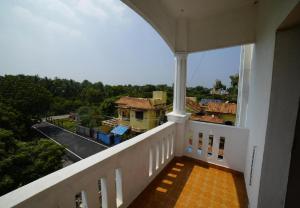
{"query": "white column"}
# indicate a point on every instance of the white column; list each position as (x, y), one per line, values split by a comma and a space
(178, 114)
(180, 83)
(244, 78)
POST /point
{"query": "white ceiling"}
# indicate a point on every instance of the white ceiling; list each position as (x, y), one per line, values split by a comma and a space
(197, 25)
(198, 9)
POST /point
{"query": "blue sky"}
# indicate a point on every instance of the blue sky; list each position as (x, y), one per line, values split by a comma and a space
(97, 40)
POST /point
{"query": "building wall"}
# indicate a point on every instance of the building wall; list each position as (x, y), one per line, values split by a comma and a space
(228, 117)
(122, 121)
(285, 93)
(270, 14)
(149, 121)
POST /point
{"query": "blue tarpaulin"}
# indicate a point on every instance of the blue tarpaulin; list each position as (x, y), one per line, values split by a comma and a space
(120, 130)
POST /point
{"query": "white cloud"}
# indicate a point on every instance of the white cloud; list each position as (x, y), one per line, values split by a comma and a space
(88, 8)
(102, 9)
(42, 24)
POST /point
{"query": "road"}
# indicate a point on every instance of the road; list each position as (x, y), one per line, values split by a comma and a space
(77, 145)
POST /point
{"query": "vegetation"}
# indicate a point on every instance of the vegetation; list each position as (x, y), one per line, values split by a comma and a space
(24, 100)
(66, 123)
(24, 156)
(219, 85)
(233, 89)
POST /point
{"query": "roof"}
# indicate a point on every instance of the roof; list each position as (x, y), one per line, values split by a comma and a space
(206, 118)
(229, 108)
(192, 105)
(111, 122)
(120, 130)
(205, 101)
(140, 103)
(190, 26)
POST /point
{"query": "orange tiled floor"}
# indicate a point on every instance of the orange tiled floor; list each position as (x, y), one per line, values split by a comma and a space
(196, 184)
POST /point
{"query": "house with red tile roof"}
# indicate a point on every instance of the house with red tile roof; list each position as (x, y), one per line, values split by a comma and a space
(142, 114)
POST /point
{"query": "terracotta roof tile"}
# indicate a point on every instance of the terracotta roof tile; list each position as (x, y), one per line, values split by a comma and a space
(131, 102)
(222, 108)
(193, 106)
(206, 118)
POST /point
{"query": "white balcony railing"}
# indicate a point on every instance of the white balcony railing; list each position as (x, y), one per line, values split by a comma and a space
(119, 173)
(218, 144)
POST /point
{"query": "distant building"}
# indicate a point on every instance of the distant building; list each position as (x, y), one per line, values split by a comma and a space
(192, 106)
(142, 114)
(212, 112)
(218, 92)
(225, 111)
(205, 101)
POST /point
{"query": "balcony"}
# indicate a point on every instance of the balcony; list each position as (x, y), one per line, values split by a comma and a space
(132, 173)
(144, 170)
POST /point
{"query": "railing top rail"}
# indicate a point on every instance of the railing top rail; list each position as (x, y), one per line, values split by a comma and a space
(217, 125)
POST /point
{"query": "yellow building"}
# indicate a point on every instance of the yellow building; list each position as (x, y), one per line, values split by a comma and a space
(142, 114)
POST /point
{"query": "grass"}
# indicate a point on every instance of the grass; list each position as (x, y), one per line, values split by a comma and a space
(68, 124)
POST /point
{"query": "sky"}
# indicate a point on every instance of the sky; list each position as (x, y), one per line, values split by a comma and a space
(97, 40)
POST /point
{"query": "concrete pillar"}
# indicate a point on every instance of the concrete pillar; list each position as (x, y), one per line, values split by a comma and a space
(180, 83)
(178, 114)
(244, 78)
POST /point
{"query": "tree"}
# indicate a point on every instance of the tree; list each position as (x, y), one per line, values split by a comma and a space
(90, 116)
(218, 85)
(30, 161)
(234, 80)
(25, 96)
(92, 95)
(108, 107)
(233, 89)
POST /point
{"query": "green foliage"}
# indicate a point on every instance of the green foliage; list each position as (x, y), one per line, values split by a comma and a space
(68, 124)
(219, 85)
(233, 89)
(90, 116)
(24, 95)
(7, 142)
(30, 161)
(108, 107)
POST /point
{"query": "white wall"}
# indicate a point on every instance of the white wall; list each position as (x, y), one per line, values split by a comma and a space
(244, 78)
(270, 14)
(236, 140)
(283, 109)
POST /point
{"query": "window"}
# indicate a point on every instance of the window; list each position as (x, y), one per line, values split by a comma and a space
(157, 156)
(200, 143)
(119, 191)
(80, 200)
(168, 146)
(125, 115)
(221, 148)
(102, 186)
(162, 151)
(210, 145)
(150, 161)
(172, 144)
(189, 147)
(139, 115)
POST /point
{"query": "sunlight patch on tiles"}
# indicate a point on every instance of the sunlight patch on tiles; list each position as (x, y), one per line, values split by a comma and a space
(176, 169)
(180, 164)
(162, 190)
(172, 175)
(167, 182)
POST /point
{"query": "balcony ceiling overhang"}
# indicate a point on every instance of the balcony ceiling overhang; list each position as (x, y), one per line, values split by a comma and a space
(197, 25)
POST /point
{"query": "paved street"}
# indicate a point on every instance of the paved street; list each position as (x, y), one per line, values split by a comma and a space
(81, 147)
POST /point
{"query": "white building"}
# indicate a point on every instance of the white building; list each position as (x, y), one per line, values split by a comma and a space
(260, 147)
